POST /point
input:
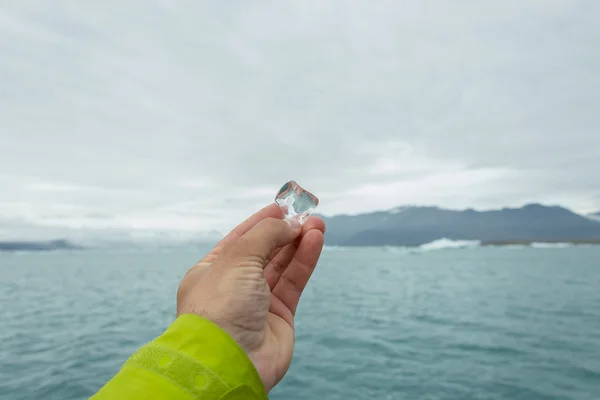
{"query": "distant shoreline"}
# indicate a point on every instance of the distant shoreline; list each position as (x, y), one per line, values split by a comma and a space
(530, 242)
(61, 244)
(57, 245)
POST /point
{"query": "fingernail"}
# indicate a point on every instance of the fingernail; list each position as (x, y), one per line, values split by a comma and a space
(293, 223)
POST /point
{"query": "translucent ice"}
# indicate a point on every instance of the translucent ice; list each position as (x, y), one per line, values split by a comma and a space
(295, 202)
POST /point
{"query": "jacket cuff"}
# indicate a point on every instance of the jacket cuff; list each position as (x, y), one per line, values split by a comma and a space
(199, 357)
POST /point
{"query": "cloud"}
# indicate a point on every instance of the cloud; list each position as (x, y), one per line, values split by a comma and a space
(70, 188)
(191, 116)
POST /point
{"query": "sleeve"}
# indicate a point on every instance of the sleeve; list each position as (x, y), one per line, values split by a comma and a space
(193, 359)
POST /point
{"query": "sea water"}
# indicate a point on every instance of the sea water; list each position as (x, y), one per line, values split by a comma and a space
(374, 323)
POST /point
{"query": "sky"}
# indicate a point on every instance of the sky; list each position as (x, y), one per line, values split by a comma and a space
(189, 116)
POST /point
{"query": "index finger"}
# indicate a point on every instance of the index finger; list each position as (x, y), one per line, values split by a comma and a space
(270, 211)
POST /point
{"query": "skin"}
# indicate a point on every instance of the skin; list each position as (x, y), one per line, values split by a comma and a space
(250, 285)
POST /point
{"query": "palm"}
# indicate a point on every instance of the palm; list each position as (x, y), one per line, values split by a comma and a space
(269, 335)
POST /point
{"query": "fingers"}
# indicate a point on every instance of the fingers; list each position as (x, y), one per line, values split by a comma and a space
(313, 223)
(270, 211)
(260, 241)
(295, 277)
(279, 263)
(281, 260)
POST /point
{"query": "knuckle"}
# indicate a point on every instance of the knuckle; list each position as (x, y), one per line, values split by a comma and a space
(291, 283)
(271, 225)
(270, 221)
(234, 248)
(242, 250)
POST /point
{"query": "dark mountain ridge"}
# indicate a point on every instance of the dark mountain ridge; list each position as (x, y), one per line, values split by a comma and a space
(414, 226)
(417, 225)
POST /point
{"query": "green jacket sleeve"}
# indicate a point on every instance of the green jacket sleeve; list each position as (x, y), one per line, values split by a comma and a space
(193, 359)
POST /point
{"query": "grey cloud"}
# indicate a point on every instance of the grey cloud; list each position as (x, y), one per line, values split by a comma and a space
(367, 106)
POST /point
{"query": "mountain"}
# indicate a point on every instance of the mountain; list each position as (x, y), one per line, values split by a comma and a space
(402, 226)
(414, 226)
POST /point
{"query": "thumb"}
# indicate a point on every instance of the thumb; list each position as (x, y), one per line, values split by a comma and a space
(266, 236)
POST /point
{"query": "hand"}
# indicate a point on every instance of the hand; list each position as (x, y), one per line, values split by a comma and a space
(250, 285)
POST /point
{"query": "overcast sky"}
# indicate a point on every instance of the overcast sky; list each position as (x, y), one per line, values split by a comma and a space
(190, 115)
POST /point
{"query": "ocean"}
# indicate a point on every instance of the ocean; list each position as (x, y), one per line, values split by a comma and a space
(374, 323)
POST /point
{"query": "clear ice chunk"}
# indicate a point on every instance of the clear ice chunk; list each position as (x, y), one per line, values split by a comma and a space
(295, 202)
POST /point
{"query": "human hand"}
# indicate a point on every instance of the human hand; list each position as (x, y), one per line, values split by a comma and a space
(250, 285)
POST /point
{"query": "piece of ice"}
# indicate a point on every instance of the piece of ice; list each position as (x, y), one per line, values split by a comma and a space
(295, 202)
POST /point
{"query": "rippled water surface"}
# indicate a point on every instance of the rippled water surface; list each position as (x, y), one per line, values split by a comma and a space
(375, 323)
